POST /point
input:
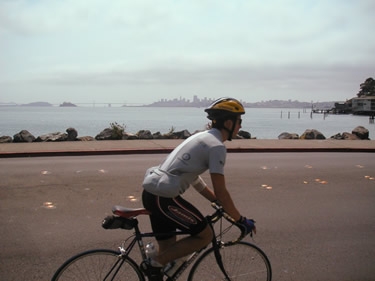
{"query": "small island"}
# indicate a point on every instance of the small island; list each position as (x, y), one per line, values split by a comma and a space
(67, 104)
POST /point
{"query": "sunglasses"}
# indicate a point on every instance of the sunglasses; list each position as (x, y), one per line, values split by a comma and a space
(239, 121)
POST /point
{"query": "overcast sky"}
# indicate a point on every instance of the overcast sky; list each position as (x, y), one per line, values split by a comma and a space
(137, 52)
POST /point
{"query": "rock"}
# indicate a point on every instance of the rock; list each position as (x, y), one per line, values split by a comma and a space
(184, 134)
(170, 136)
(338, 136)
(106, 134)
(5, 139)
(157, 136)
(288, 136)
(345, 136)
(361, 132)
(312, 134)
(109, 134)
(23, 136)
(72, 134)
(129, 136)
(181, 134)
(349, 136)
(52, 137)
(144, 135)
(85, 138)
(244, 134)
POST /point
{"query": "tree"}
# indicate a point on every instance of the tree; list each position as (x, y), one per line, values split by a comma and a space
(367, 88)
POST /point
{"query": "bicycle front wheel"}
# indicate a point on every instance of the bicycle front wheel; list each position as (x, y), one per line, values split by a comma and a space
(242, 261)
(99, 265)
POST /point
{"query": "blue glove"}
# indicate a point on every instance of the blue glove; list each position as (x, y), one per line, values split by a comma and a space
(247, 226)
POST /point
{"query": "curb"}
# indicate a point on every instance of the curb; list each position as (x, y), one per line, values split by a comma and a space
(83, 153)
(168, 150)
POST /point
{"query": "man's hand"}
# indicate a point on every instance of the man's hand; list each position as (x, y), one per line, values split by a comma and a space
(248, 225)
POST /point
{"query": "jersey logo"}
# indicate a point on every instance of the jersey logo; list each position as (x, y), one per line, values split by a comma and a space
(182, 215)
(186, 156)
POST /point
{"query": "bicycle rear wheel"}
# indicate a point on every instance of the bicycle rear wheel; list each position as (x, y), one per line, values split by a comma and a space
(242, 261)
(98, 265)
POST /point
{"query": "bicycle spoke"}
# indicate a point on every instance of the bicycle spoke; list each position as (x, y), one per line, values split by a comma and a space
(98, 265)
(241, 261)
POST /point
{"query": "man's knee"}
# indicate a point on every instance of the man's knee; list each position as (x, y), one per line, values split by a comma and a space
(206, 235)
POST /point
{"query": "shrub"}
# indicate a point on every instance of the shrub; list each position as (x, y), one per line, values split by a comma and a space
(117, 130)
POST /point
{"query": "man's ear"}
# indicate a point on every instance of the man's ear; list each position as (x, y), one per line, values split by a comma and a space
(228, 124)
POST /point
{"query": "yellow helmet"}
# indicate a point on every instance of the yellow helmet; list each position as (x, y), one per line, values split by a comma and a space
(224, 108)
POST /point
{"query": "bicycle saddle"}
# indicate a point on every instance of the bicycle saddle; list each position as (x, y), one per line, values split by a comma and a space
(129, 212)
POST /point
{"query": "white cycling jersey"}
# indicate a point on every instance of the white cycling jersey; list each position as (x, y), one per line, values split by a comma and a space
(197, 154)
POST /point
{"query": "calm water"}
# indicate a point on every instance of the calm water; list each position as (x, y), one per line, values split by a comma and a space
(262, 123)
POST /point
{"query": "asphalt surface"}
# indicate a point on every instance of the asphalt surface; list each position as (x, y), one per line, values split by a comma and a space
(35, 149)
(314, 211)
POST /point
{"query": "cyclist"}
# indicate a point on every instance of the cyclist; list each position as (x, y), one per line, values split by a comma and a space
(164, 184)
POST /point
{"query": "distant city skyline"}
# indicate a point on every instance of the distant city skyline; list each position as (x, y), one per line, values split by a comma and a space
(181, 101)
(136, 52)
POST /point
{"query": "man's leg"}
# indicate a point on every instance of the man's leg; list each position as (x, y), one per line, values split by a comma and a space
(170, 249)
(169, 214)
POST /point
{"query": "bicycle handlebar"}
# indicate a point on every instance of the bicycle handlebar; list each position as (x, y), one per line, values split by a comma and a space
(221, 213)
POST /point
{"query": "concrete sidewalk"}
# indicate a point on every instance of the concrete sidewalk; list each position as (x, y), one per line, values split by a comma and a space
(75, 148)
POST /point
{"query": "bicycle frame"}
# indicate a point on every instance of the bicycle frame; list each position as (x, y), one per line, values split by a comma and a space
(229, 255)
(216, 244)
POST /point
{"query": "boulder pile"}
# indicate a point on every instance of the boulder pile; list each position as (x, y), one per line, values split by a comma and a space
(118, 133)
(113, 133)
(358, 133)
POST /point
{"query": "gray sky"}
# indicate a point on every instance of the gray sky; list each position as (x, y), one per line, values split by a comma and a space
(137, 52)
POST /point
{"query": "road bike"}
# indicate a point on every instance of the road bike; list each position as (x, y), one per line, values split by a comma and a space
(225, 259)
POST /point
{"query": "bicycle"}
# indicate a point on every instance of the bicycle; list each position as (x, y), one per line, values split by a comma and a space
(232, 260)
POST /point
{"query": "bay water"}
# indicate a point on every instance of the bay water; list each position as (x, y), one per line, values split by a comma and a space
(262, 123)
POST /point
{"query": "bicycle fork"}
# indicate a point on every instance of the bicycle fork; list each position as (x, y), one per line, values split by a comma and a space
(217, 245)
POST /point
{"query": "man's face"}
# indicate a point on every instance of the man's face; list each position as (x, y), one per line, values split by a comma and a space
(237, 126)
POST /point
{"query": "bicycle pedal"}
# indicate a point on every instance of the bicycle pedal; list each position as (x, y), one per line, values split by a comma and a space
(144, 266)
(148, 269)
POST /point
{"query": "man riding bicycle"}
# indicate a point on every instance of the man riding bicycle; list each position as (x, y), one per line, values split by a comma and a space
(164, 184)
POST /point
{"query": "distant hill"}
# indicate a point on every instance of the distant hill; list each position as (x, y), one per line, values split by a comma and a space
(38, 103)
(8, 104)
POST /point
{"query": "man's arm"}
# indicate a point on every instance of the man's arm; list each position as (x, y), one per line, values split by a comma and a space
(203, 189)
(208, 194)
(223, 196)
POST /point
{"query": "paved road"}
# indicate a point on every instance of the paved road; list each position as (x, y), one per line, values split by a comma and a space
(315, 212)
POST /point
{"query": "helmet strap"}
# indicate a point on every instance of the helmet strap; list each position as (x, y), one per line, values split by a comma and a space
(231, 131)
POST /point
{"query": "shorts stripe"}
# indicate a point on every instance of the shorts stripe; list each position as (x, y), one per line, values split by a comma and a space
(167, 215)
(197, 216)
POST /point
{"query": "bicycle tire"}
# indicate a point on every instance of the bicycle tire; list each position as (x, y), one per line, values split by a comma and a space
(99, 265)
(242, 261)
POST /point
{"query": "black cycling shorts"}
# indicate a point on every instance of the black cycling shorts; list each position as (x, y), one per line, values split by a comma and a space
(171, 214)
